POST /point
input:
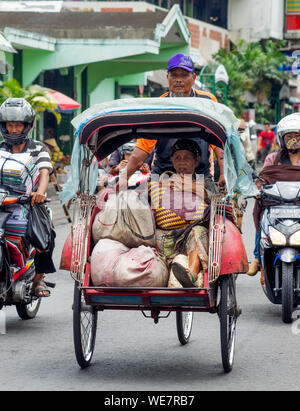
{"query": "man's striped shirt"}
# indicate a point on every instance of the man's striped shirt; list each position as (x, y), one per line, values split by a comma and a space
(38, 151)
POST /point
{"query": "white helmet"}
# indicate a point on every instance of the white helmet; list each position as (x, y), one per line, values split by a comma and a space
(288, 124)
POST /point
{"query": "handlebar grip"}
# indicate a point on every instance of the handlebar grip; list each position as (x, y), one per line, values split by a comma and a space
(24, 199)
(27, 199)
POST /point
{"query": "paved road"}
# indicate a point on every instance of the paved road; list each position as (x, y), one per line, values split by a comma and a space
(133, 353)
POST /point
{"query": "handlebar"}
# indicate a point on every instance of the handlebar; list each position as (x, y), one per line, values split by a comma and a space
(23, 199)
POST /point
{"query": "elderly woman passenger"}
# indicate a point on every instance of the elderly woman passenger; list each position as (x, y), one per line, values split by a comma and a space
(179, 204)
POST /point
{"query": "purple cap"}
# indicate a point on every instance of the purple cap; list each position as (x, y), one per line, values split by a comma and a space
(182, 61)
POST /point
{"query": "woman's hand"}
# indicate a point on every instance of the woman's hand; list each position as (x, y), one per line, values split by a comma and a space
(222, 182)
(258, 184)
(123, 164)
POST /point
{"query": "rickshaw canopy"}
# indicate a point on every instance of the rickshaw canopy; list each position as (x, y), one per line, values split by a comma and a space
(104, 127)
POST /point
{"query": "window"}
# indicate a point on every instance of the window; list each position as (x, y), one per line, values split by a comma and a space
(211, 11)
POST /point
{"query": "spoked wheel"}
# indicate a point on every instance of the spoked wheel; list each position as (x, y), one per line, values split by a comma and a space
(184, 322)
(287, 293)
(84, 328)
(228, 314)
(28, 311)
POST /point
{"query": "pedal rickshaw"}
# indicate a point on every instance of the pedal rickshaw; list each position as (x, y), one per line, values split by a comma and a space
(100, 130)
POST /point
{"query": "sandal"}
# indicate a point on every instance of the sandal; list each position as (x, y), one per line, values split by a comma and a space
(39, 288)
(183, 275)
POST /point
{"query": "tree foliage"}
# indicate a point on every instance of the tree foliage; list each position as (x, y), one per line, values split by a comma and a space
(39, 99)
(252, 67)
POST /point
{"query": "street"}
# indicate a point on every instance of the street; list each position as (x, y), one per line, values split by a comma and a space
(134, 354)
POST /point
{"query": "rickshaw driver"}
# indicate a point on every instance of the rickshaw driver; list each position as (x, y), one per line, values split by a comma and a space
(16, 122)
(193, 241)
(181, 79)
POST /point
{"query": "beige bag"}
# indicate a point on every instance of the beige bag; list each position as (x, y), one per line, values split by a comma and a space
(125, 217)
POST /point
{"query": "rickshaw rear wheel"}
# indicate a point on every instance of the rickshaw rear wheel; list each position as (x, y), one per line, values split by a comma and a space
(184, 322)
(84, 328)
(228, 314)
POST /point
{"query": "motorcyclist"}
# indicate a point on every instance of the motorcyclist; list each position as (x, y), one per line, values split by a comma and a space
(288, 130)
(16, 122)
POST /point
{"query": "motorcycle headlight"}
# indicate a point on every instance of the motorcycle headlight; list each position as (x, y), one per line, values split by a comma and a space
(277, 237)
(295, 239)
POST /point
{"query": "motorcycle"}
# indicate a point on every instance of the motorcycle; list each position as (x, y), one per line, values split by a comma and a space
(280, 245)
(15, 281)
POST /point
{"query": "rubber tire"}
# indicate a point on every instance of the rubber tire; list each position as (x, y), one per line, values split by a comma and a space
(227, 334)
(184, 336)
(287, 292)
(83, 356)
(25, 312)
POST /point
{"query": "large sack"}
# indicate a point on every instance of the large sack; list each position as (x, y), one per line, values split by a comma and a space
(104, 258)
(141, 267)
(113, 265)
(125, 217)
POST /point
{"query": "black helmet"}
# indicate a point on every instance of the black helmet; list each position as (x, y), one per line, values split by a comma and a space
(16, 109)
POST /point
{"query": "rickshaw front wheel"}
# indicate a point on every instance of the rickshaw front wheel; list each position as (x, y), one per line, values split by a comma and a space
(184, 322)
(287, 292)
(228, 314)
(84, 328)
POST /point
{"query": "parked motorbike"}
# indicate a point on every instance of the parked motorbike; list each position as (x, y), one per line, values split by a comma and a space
(280, 245)
(15, 282)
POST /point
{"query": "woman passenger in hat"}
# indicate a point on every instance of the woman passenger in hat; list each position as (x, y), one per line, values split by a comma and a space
(177, 203)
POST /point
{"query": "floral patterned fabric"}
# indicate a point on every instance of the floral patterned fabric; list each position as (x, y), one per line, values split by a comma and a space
(168, 242)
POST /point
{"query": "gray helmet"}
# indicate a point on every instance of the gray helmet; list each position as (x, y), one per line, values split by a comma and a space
(128, 147)
(16, 109)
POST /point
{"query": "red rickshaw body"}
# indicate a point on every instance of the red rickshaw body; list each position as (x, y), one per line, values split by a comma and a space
(234, 256)
(100, 131)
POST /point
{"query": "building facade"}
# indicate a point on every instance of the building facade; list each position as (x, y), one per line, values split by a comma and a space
(96, 51)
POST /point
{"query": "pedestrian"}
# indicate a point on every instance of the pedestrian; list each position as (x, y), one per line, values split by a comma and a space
(245, 139)
(266, 140)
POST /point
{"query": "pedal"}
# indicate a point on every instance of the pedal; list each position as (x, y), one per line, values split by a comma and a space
(51, 285)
